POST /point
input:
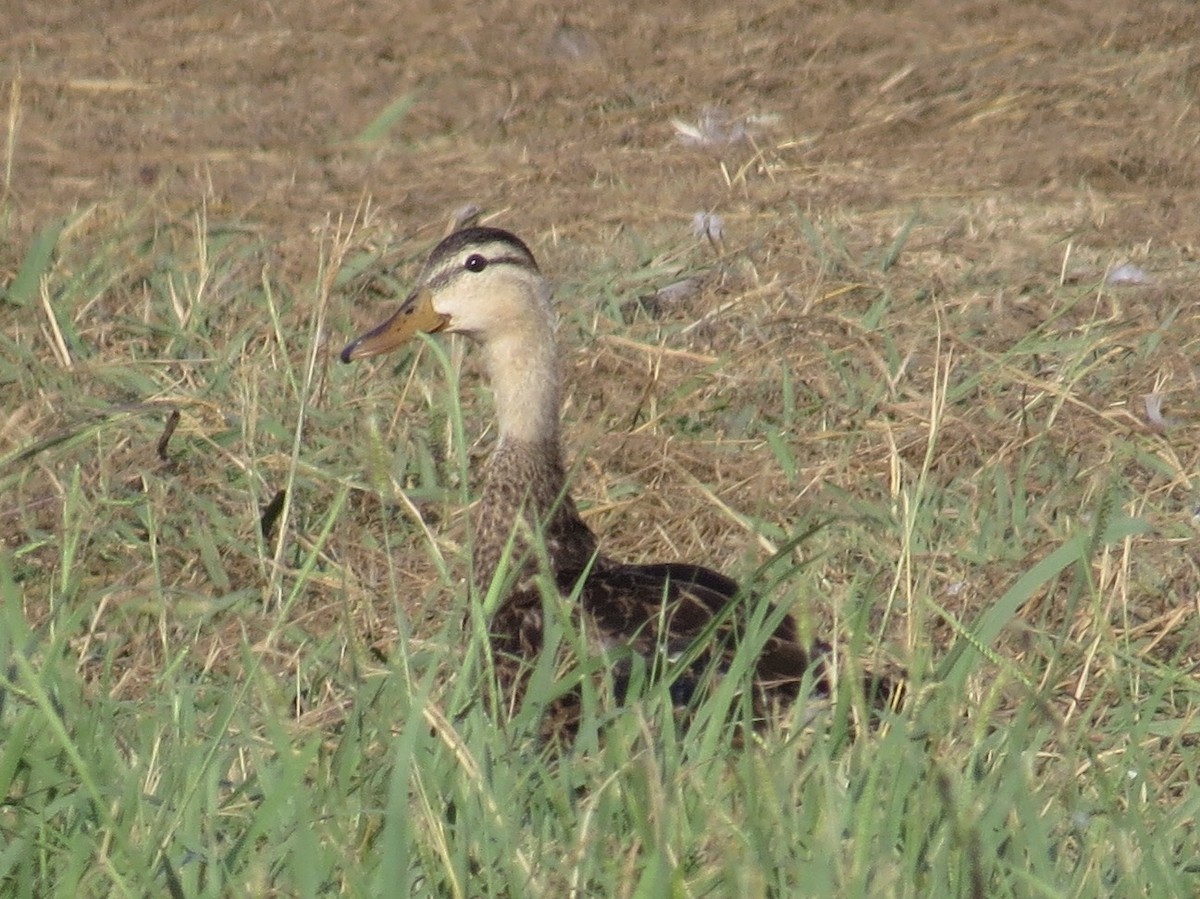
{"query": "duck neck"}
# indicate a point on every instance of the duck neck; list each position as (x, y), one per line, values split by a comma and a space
(524, 372)
(524, 485)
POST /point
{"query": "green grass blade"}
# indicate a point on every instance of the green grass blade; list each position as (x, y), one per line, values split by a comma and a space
(37, 262)
(389, 118)
(957, 662)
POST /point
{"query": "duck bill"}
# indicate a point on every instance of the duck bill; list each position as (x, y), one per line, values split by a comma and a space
(416, 315)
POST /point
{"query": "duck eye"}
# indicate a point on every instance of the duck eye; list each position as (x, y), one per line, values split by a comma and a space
(475, 263)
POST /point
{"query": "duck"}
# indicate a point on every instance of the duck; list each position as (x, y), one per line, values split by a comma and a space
(484, 283)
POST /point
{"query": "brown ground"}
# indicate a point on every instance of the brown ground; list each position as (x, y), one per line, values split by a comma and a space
(1024, 134)
(562, 116)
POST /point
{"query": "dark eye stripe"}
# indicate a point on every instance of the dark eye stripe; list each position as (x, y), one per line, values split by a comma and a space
(519, 261)
(446, 273)
(477, 262)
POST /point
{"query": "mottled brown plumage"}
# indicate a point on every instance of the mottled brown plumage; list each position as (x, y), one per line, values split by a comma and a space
(484, 282)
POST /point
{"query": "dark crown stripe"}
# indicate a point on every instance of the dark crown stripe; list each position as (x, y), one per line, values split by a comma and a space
(497, 240)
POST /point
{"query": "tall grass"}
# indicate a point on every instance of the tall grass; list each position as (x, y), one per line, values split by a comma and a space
(200, 700)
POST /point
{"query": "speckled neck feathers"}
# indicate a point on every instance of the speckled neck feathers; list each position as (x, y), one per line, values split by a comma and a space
(524, 500)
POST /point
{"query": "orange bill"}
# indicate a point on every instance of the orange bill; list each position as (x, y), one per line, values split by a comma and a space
(415, 315)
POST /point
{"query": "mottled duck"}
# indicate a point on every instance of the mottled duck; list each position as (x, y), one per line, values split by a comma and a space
(484, 283)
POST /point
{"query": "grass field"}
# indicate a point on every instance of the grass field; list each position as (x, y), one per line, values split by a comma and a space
(947, 335)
